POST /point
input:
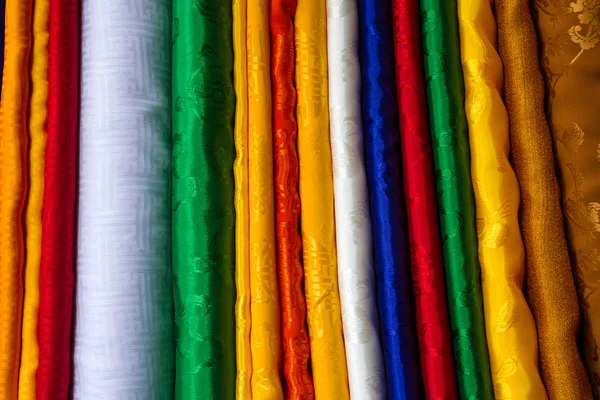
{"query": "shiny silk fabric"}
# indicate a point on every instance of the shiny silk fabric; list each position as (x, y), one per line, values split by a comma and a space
(550, 288)
(433, 326)
(243, 351)
(366, 370)
(203, 199)
(33, 212)
(510, 328)
(57, 267)
(13, 188)
(316, 194)
(265, 339)
(123, 341)
(569, 32)
(296, 347)
(448, 126)
(382, 148)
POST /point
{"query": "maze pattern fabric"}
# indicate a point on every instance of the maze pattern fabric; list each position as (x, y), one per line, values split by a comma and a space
(123, 337)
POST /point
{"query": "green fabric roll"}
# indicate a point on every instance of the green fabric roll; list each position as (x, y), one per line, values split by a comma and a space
(203, 190)
(450, 146)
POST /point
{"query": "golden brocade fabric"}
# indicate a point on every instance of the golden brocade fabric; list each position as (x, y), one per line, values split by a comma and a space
(510, 328)
(265, 338)
(570, 34)
(243, 389)
(33, 211)
(550, 287)
(316, 195)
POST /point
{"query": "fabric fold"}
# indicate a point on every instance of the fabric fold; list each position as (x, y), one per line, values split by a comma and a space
(296, 346)
(550, 288)
(448, 128)
(366, 371)
(123, 345)
(316, 195)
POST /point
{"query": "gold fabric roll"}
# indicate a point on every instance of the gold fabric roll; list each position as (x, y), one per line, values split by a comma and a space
(550, 287)
(570, 36)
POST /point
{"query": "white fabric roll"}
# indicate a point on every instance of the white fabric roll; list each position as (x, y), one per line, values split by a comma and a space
(353, 225)
(123, 329)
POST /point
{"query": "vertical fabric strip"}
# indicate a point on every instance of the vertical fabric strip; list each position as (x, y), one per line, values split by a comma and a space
(57, 267)
(203, 199)
(33, 213)
(316, 194)
(13, 188)
(265, 338)
(550, 286)
(296, 347)
(366, 371)
(123, 346)
(510, 328)
(243, 351)
(448, 126)
(433, 326)
(382, 148)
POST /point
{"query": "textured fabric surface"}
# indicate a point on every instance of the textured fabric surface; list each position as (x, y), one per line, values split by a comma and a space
(550, 287)
(570, 57)
(448, 127)
(366, 371)
(123, 345)
(328, 355)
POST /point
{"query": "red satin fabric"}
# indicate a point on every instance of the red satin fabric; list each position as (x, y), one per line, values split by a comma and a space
(296, 347)
(425, 249)
(58, 213)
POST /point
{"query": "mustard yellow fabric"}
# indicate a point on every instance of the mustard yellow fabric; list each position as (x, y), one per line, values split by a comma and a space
(33, 211)
(241, 201)
(316, 196)
(13, 188)
(265, 333)
(510, 328)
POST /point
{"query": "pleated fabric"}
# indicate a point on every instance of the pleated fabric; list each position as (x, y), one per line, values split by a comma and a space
(243, 325)
(57, 268)
(382, 149)
(366, 370)
(510, 328)
(570, 59)
(203, 199)
(33, 211)
(296, 346)
(265, 339)
(13, 188)
(327, 351)
(448, 127)
(550, 288)
(123, 345)
(433, 326)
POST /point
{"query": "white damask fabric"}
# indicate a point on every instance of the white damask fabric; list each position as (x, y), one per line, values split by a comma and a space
(124, 308)
(353, 225)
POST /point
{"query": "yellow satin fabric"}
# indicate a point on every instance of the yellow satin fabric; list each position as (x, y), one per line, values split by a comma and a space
(265, 338)
(241, 202)
(510, 328)
(316, 196)
(33, 211)
(13, 188)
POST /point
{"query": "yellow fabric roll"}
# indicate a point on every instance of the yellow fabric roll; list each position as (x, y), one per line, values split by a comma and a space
(33, 211)
(510, 328)
(327, 352)
(13, 188)
(241, 201)
(265, 333)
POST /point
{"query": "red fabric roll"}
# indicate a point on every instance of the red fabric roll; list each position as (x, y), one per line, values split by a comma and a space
(425, 249)
(59, 208)
(296, 347)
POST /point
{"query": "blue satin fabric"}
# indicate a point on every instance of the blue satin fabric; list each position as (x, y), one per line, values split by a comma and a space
(382, 148)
